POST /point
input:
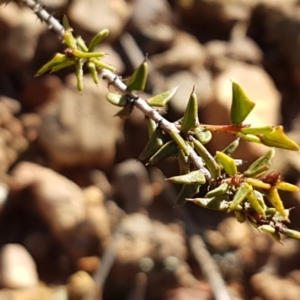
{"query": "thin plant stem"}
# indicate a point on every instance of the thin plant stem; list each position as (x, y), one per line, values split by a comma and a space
(115, 80)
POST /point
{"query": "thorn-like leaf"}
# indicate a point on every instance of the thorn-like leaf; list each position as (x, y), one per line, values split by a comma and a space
(240, 195)
(63, 65)
(227, 163)
(241, 105)
(93, 70)
(183, 163)
(257, 130)
(190, 119)
(194, 177)
(97, 39)
(218, 191)
(66, 24)
(102, 65)
(116, 99)
(240, 216)
(70, 40)
(154, 143)
(249, 137)
(151, 127)
(137, 81)
(278, 139)
(169, 149)
(180, 142)
(276, 235)
(276, 201)
(210, 162)
(267, 228)
(285, 186)
(162, 99)
(290, 233)
(81, 44)
(81, 54)
(260, 198)
(79, 74)
(56, 60)
(202, 135)
(231, 147)
(254, 203)
(220, 203)
(261, 165)
(258, 183)
(125, 112)
(187, 191)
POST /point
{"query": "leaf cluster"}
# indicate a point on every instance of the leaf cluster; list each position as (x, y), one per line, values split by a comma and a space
(251, 195)
(78, 54)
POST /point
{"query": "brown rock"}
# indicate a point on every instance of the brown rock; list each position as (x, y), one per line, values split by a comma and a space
(176, 58)
(246, 50)
(198, 292)
(230, 235)
(112, 58)
(20, 38)
(114, 15)
(272, 287)
(17, 268)
(36, 293)
(132, 185)
(12, 138)
(88, 264)
(276, 29)
(79, 285)
(95, 211)
(41, 90)
(151, 247)
(80, 129)
(141, 238)
(135, 245)
(216, 18)
(221, 53)
(63, 207)
(150, 24)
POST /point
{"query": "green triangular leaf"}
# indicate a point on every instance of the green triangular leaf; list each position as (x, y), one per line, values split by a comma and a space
(278, 139)
(97, 39)
(202, 135)
(154, 143)
(125, 112)
(257, 130)
(56, 60)
(194, 177)
(241, 105)
(66, 23)
(231, 147)
(116, 99)
(137, 81)
(216, 203)
(169, 149)
(261, 165)
(162, 99)
(187, 191)
(218, 191)
(240, 195)
(208, 159)
(227, 163)
(190, 119)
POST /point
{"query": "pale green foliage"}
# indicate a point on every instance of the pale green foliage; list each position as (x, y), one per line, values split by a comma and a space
(224, 187)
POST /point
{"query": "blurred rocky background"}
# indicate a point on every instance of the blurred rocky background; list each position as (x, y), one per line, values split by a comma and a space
(79, 215)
